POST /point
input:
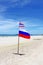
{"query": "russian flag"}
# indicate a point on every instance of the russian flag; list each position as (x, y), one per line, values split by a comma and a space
(24, 34)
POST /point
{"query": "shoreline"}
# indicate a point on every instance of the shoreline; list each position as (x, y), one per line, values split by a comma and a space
(13, 40)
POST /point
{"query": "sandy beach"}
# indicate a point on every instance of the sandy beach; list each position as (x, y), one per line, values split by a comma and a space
(32, 50)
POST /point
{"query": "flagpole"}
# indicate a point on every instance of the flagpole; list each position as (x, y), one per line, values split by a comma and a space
(18, 42)
(20, 25)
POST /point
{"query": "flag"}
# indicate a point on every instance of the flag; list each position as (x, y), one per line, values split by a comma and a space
(21, 25)
(24, 34)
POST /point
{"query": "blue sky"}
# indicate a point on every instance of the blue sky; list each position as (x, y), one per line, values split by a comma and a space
(30, 12)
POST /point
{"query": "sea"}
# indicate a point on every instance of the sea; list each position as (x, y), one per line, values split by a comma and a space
(17, 34)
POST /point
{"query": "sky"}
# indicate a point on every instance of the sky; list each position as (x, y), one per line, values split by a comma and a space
(30, 12)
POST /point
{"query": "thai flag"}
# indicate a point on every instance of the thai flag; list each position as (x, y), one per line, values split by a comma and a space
(21, 25)
(24, 34)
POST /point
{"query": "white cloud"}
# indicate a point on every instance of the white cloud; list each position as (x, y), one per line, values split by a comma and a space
(14, 3)
(5, 4)
(30, 24)
(33, 25)
(19, 2)
(8, 24)
(40, 28)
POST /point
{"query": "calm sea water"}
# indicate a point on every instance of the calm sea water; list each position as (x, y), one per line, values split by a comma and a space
(17, 34)
(8, 34)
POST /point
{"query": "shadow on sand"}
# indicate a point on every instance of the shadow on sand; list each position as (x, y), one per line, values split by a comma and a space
(37, 39)
(18, 54)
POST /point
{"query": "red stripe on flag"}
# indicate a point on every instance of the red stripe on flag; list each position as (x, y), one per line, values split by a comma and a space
(24, 36)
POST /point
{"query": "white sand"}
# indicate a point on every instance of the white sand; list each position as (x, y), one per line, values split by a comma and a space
(32, 50)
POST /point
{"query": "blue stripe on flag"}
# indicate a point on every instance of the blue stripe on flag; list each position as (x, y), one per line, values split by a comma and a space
(24, 33)
(21, 24)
